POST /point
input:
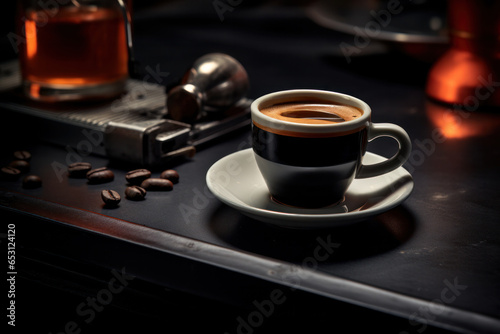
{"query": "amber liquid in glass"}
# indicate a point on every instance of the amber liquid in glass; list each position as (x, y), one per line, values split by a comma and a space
(75, 46)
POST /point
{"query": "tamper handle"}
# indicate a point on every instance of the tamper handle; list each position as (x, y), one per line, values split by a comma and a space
(215, 82)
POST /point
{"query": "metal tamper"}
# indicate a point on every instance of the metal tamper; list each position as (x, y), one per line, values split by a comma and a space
(215, 82)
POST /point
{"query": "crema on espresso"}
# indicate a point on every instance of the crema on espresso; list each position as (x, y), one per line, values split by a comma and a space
(313, 112)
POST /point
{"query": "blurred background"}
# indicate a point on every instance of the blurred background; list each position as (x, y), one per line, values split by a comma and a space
(380, 51)
(164, 30)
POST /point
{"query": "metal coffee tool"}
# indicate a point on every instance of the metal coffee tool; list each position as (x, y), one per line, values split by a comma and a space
(134, 128)
(215, 82)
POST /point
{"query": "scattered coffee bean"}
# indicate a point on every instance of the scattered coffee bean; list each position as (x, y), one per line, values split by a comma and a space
(100, 175)
(171, 175)
(10, 173)
(137, 176)
(157, 184)
(22, 165)
(79, 169)
(110, 197)
(135, 193)
(32, 182)
(22, 155)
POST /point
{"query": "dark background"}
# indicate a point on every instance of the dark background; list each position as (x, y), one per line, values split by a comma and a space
(281, 48)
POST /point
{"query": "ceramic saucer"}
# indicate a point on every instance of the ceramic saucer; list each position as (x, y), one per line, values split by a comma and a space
(236, 181)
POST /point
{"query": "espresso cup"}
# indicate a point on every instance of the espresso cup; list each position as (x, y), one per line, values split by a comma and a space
(309, 145)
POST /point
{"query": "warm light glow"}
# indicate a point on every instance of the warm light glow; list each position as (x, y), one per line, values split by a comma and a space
(31, 40)
(451, 127)
(65, 50)
(35, 90)
(456, 123)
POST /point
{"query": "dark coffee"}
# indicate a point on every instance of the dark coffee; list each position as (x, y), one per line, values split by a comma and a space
(322, 168)
(309, 145)
(100, 175)
(157, 184)
(79, 169)
(110, 197)
(137, 176)
(171, 175)
(135, 193)
(32, 182)
(295, 163)
(312, 112)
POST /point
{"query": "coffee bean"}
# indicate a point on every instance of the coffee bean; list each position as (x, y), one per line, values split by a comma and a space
(32, 182)
(10, 173)
(79, 169)
(171, 175)
(110, 197)
(100, 175)
(22, 155)
(135, 193)
(22, 165)
(157, 184)
(137, 176)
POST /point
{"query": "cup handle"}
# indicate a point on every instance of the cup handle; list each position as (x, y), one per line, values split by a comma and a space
(376, 130)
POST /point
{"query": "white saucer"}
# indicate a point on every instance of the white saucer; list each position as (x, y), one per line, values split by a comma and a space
(236, 181)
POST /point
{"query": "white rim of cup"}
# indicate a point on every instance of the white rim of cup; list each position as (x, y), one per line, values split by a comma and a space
(303, 95)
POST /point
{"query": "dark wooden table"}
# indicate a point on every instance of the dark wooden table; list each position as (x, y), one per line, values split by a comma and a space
(429, 265)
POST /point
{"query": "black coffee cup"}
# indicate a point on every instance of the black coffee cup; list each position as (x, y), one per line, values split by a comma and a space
(312, 165)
